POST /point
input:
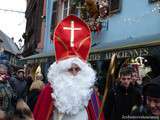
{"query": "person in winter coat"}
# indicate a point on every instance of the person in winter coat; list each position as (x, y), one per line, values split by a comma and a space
(19, 83)
(151, 107)
(122, 97)
(7, 96)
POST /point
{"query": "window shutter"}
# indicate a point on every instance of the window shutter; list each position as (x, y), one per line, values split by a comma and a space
(54, 16)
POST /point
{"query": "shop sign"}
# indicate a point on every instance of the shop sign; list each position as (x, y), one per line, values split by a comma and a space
(106, 55)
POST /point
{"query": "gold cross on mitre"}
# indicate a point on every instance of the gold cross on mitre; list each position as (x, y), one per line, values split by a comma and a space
(72, 28)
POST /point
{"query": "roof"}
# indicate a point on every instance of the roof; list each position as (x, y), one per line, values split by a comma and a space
(9, 44)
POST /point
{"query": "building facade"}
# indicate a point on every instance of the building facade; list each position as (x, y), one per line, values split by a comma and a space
(33, 35)
(9, 50)
(129, 28)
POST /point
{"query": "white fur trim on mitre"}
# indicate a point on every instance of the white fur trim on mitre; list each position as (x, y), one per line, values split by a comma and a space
(71, 93)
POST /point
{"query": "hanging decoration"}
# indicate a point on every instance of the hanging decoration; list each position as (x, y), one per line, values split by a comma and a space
(97, 10)
(92, 8)
(94, 24)
(103, 6)
(91, 11)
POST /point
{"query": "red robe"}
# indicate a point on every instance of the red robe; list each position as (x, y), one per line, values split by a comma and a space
(44, 107)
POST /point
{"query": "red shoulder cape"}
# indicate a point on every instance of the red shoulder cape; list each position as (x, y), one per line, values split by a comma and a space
(44, 107)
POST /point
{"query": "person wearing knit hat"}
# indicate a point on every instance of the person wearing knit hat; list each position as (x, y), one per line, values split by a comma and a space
(19, 84)
(151, 92)
(150, 109)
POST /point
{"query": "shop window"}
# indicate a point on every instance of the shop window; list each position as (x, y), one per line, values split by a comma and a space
(153, 1)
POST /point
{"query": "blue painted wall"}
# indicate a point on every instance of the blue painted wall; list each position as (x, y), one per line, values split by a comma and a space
(48, 44)
(137, 19)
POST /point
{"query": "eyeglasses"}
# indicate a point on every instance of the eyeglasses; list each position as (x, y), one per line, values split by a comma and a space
(77, 69)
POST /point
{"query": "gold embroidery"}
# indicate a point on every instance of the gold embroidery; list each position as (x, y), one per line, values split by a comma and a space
(61, 41)
(82, 41)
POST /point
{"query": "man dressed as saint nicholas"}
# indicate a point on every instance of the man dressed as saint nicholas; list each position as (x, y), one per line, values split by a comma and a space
(69, 95)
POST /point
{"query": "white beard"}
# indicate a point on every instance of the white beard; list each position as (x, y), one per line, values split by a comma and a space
(71, 93)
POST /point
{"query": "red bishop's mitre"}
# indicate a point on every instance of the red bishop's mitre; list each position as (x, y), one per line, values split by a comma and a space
(72, 37)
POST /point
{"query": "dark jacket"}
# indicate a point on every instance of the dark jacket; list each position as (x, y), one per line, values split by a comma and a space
(19, 86)
(7, 98)
(32, 98)
(120, 102)
(34, 92)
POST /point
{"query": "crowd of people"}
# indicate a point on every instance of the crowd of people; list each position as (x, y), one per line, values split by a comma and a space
(72, 92)
(127, 99)
(131, 99)
(18, 93)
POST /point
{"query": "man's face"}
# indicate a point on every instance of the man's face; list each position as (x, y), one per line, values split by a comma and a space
(3, 73)
(20, 75)
(74, 69)
(125, 80)
(154, 105)
(135, 77)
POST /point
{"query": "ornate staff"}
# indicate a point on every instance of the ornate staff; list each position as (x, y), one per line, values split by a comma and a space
(60, 116)
(109, 81)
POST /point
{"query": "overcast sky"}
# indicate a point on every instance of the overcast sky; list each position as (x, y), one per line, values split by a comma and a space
(13, 23)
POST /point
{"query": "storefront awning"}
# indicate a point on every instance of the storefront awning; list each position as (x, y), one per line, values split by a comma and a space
(39, 58)
(131, 47)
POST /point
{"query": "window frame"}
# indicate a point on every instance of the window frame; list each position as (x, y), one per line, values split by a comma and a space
(67, 9)
(115, 10)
